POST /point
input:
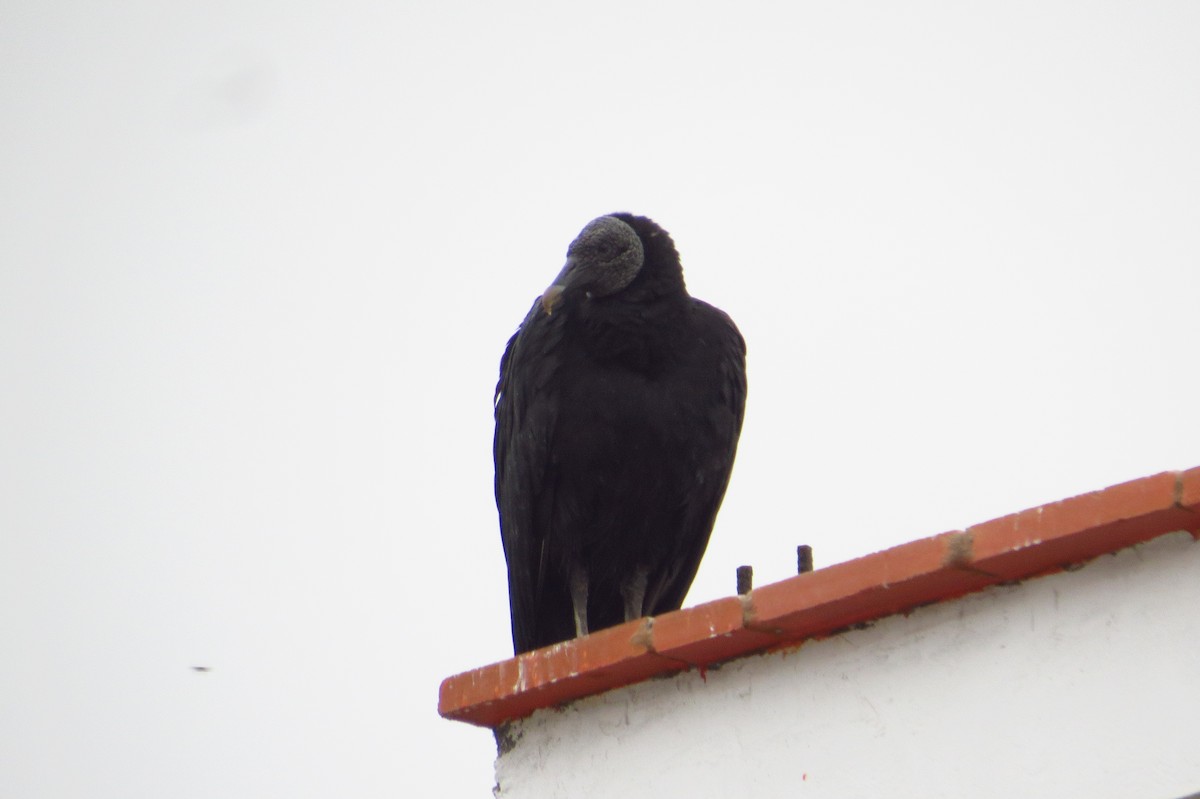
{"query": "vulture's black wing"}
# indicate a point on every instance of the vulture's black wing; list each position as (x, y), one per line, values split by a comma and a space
(715, 398)
(526, 414)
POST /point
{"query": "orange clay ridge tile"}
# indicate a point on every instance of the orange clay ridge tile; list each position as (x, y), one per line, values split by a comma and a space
(1027, 544)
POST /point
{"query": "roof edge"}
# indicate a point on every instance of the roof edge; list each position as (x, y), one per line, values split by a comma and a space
(1029, 543)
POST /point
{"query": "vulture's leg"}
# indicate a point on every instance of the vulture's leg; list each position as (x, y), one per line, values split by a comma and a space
(634, 592)
(579, 596)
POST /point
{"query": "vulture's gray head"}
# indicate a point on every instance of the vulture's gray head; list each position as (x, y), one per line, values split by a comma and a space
(604, 258)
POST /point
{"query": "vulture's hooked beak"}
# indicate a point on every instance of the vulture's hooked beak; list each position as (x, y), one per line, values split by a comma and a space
(552, 296)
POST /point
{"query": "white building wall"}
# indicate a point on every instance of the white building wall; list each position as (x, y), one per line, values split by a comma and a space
(1080, 684)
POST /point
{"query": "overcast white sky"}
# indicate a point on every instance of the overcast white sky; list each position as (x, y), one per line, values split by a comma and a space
(259, 260)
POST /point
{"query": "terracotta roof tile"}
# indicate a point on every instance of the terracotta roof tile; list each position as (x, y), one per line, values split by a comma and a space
(707, 633)
(896, 579)
(1189, 490)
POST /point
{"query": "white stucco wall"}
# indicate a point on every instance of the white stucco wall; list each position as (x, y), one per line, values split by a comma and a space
(1082, 684)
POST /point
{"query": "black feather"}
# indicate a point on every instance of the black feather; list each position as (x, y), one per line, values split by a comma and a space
(617, 421)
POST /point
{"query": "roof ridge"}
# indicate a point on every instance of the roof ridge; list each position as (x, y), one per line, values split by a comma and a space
(1033, 542)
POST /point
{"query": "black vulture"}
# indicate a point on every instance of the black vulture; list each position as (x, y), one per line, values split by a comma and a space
(618, 413)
